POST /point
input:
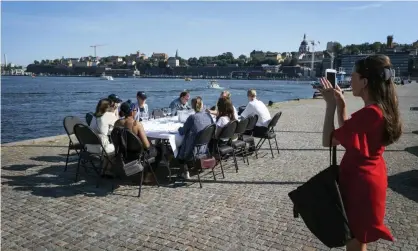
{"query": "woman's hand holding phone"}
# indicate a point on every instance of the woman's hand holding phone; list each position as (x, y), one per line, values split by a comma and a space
(332, 96)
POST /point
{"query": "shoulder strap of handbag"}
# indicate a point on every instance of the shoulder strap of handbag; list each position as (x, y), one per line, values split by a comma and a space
(332, 153)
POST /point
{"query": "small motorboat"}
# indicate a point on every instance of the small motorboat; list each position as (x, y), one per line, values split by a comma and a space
(213, 84)
(104, 77)
(187, 79)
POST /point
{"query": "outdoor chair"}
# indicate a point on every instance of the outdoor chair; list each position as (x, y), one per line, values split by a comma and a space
(69, 123)
(134, 151)
(241, 109)
(202, 140)
(247, 136)
(86, 136)
(157, 113)
(89, 117)
(224, 148)
(239, 145)
(269, 135)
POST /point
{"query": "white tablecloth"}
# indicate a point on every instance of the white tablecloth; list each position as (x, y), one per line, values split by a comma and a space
(165, 128)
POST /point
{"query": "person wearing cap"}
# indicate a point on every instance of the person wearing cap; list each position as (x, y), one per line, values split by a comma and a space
(115, 103)
(128, 111)
(180, 103)
(142, 107)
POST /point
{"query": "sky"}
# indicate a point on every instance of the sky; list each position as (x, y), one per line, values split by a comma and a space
(48, 30)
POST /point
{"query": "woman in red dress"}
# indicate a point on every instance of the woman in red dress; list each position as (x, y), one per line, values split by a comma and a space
(363, 177)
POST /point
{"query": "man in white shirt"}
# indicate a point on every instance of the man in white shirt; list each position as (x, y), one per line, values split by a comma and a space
(257, 107)
(141, 106)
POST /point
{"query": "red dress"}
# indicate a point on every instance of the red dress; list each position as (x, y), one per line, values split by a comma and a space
(363, 178)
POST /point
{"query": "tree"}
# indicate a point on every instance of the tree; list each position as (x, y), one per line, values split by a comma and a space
(162, 64)
(192, 61)
(376, 46)
(242, 58)
(36, 62)
(337, 48)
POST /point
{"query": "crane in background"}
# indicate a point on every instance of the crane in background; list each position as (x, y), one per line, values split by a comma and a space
(313, 43)
(95, 46)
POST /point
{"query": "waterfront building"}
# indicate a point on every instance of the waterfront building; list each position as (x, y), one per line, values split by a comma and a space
(271, 68)
(173, 62)
(400, 61)
(159, 56)
(348, 61)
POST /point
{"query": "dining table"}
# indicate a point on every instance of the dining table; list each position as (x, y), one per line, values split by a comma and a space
(167, 128)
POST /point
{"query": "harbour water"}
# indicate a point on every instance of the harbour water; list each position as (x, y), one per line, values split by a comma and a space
(35, 107)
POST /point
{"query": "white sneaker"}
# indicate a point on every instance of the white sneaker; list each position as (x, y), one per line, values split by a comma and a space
(186, 175)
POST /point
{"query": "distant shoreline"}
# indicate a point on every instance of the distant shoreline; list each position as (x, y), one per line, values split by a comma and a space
(168, 77)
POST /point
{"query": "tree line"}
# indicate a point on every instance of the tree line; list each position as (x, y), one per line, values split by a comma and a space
(227, 58)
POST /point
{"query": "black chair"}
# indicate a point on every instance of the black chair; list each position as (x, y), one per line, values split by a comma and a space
(224, 148)
(269, 135)
(239, 145)
(134, 151)
(89, 117)
(86, 136)
(241, 109)
(202, 139)
(247, 136)
(157, 113)
(69, 123)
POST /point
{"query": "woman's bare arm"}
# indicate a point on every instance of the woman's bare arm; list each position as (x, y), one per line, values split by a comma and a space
(142, 135)
(328, 125)
(341, 115)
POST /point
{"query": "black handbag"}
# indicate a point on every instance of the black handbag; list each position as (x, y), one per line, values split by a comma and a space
(319, 203)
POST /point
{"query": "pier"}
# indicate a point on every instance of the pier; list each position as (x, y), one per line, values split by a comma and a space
(43, 209)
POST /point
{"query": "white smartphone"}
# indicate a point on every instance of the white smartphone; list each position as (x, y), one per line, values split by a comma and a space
(331, 76)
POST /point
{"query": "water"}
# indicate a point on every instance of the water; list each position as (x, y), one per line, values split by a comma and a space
(35, 107)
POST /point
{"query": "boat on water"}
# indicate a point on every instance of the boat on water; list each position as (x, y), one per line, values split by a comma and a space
(213, 84)
(104, 77)
(187, 79)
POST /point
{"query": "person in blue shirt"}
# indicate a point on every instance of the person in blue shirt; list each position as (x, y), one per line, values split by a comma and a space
(180, 103)
(193, 125)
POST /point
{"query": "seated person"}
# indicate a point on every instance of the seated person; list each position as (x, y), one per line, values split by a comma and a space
(180, 103)
(115, 102)
(224, 94)
(102, 123)
(141, 106)
(225, 115)
(128, 112)
(257, 107)
(193, 125)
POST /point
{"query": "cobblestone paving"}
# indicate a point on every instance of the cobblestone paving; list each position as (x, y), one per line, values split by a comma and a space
(43, 209)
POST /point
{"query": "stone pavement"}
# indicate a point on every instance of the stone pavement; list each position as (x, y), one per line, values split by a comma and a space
(42, 209)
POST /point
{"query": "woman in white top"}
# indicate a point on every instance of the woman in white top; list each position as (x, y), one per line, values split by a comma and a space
(102, 123)
(141, 106)
(224, 94)
(225, 114)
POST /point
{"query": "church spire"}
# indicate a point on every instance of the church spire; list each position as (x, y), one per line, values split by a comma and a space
(304, 36)
(177, 53)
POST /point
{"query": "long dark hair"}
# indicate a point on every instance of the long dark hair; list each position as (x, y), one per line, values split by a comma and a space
(381, 89)
(225, 108)
(102, 107)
